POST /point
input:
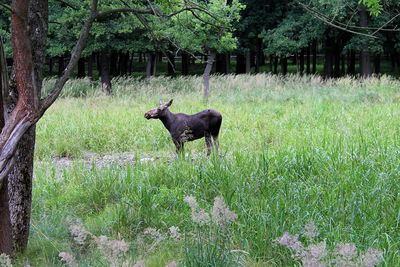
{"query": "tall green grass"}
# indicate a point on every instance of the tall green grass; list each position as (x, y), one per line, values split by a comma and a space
(293, 149)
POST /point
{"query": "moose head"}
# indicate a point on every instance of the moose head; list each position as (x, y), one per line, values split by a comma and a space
(159, 111)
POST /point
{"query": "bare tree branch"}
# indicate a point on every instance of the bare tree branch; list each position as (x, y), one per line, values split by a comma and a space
(6, 7)
(323, 19)
(381, 28)
(68, 4)
(344, 26)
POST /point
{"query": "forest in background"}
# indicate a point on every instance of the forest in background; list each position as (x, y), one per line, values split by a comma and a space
(330, 38)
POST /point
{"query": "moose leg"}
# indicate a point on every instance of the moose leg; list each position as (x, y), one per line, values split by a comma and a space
(216, 143)
(208, 144)
(179, 146)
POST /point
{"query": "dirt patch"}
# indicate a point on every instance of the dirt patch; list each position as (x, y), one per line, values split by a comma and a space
(98, 160)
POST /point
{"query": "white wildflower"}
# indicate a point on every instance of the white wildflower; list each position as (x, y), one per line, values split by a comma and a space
(5, 260)
(372, 257)
(79, 234)
(220, 214)
(174, 232)
(292, 242)
(310, 231)
(139, 264)
(112, 248)
(201, 217)
(154, 233)
(345, 254)
(68, 259)
(191, 201)
(314, 255)
(172, 264)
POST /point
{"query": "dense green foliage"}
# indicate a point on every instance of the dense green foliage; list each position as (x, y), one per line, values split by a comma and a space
(292, 150)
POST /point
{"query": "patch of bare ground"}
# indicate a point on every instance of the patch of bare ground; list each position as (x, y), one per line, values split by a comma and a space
(98, 160)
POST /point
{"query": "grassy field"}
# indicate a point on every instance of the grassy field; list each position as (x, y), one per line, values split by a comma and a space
(293, 150)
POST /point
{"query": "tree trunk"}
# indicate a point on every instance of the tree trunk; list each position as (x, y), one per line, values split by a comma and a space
(20, 193)
(17, 187)
(148, 66)
(81, 68)
(221, 66)
(259, 55)
(328, 62)
(28, 58)
(284, 65)
(153, 64)
(50, 66)
(6, 242)
(314, 60)
(294, 59)
(275, 65)
(60, 65)
(337, 51)
(123, 63)
(140, 57)
(240, 64)
(365, 58)
(343, 67)
(171, 64)
(377, 63)
(130, 68)
(185, 63)
(248, 61)
(206, 75)
(105, 71)
(252, 59)
(91, 60)
(351, 66)
(393, 55)
(308, 60)
(113, 64)
(301, 62)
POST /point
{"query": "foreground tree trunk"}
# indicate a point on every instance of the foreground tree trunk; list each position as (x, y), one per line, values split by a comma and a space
(206, 75)
(17, 187)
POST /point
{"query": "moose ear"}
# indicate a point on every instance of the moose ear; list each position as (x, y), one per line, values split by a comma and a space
(169, 103)
(160, 102)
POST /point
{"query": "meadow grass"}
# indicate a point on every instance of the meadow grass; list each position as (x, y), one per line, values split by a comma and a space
(293, 149)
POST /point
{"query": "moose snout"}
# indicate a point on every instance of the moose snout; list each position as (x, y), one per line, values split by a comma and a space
(147, 115)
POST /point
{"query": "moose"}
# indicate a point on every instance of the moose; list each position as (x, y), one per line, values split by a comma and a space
(184, 127)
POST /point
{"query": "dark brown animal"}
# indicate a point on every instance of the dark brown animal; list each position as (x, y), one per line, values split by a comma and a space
(184, 127)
